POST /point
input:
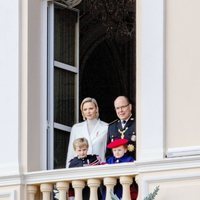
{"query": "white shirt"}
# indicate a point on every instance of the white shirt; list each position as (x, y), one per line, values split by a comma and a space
(123, 122)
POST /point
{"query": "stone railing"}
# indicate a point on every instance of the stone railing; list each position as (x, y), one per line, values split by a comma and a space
(40, 185)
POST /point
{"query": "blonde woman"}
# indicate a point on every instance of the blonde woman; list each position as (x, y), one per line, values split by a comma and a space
(93, 129)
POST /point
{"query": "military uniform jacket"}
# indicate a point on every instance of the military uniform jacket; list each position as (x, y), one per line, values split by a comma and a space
(115, 131)
(90, 160)
(96, 139)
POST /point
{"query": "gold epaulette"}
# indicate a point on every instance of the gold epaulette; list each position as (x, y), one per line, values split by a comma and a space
(113, 121)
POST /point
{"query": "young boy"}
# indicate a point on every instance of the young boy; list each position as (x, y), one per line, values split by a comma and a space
(119, 149)
(82, 159)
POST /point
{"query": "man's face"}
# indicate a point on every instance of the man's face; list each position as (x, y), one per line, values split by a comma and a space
(118, 152)
(81, 152)
(123, 108)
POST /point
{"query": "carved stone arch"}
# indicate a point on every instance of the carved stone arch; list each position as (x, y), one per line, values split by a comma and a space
(90, 43)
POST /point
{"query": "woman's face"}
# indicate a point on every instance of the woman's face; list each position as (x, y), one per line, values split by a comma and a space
(89, 110)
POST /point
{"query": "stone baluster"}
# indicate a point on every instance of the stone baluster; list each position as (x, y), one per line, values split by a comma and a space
(46, 189)
(93, 185)
(109, 183)
(31, 191)
(78, 186)
(63, 188)
(126, 182)
(141, 187)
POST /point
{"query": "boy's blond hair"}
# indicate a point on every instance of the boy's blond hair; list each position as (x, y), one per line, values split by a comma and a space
(80, 142)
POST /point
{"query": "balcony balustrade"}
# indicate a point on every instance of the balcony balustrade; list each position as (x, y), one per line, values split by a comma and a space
(40, 185)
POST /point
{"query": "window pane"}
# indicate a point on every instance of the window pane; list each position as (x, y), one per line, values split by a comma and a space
(61, 140)
(64, 97)
(64, 42)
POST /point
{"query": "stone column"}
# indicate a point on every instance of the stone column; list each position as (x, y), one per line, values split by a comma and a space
(31, 191)
(126, 182)
(141, 187)
(46, 189)
(78, 187)
(109, 182)
(93, 185)
(63, 188)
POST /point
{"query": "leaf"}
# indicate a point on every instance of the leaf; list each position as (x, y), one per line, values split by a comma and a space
(152, 195)
(113, 196)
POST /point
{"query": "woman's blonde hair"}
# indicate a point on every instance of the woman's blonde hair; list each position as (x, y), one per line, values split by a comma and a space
(80, 142)
(91, 100)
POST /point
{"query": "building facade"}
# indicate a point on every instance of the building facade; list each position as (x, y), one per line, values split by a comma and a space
(167, 104)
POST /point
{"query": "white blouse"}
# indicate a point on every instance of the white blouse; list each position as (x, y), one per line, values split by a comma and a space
(97, 139)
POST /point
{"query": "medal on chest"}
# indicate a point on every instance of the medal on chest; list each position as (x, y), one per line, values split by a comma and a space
(122, 132)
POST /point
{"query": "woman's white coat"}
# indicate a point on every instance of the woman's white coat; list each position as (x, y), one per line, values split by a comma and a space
(97, 139)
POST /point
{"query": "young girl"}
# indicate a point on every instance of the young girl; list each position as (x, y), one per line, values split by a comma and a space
(119, 150)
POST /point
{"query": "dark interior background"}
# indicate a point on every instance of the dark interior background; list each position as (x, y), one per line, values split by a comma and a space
(107, 64)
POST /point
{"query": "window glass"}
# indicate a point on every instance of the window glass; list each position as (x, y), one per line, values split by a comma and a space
(64, 35)
(61, 139)
(63, 76)
(64, 97)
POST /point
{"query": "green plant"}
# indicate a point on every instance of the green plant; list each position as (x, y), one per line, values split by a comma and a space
(113, 196)
(152, 195)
